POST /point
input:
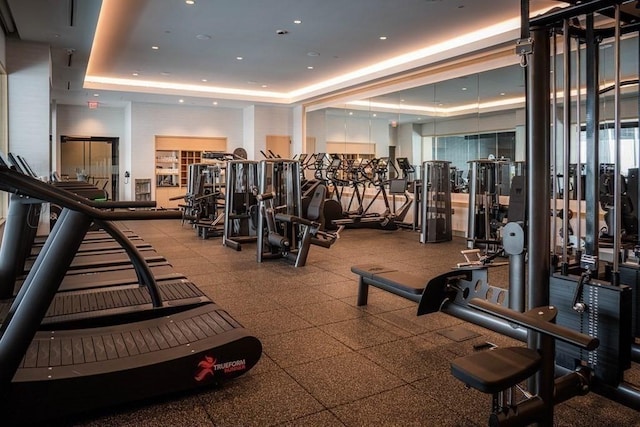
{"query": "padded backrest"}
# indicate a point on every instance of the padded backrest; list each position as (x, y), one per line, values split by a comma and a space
(314, 210)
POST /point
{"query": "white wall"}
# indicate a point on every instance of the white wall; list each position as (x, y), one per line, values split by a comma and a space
(271, 121)
(149, 120)
(29, 72)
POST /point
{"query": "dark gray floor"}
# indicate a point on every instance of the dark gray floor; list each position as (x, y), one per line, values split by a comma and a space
(327, 362)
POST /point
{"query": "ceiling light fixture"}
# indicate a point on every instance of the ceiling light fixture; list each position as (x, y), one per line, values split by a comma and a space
(239, 58)
(204, 80)
(96, 94)
(203, 37)
(313, 53)
(383, 37)
(181, 101)
(215, 102)
(135, 74)
(102, 82)
(297, 21)
(310, 67)
(464, 88)
(155, 47)
(190, 2)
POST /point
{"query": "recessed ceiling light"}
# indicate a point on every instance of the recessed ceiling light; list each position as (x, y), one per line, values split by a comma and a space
(297, 21)
(181, 101)
(313, 54)
(464, 88)
(96, 94)
(310, 67)
(264, 86)
(204, 80)
(375, 115)
(203, 37)
(165, 73)
(215, 102)
(502, 94)
(189, 2)
(155, 47)
(135, 73)
(383, 37)
(239, 58)
(351, 113)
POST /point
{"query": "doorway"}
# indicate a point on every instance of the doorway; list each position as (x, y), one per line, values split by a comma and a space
(92, 159)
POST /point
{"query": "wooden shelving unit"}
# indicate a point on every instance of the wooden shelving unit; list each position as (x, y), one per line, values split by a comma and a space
(173, 155)
(187, 158)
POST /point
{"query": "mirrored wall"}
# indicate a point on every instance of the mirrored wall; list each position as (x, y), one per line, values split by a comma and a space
(477, 116)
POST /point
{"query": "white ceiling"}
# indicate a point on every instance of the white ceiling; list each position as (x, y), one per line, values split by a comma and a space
(202, 41)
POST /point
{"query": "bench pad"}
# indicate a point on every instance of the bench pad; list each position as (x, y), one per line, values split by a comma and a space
(492, 371)
(403, 281)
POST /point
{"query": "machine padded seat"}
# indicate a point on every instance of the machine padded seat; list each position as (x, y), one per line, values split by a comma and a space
(495, 370)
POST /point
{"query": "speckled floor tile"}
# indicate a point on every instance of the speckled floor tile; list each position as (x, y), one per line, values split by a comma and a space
(261, 400)
(301, 346)
(326, 312)
(321, 419)
(402, 406)
(362, 332)
(267, 323)
(343, 378)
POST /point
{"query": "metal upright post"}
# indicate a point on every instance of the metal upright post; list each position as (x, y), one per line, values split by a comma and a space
(538, 176)
(592, 107)
(538, 165)
(566, 140)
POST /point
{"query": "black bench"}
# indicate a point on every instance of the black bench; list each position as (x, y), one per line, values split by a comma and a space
(429, 293)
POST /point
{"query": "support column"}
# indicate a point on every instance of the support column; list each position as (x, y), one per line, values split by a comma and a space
(538, 165)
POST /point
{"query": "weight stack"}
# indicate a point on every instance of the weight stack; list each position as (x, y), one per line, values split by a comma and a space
(607, 317)
(630, 274)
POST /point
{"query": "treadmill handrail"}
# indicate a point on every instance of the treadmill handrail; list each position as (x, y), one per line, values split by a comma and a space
(18, 183)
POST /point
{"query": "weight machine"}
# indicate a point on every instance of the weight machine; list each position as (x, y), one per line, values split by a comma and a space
(436, 202)
(284, 228)
(240, 210)
(489, 179)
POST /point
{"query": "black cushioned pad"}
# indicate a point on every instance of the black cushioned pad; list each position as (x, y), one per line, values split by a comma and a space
(403, 281)
(370, 270)
(495, 370)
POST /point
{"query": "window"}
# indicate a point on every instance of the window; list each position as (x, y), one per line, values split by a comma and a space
(459, 149)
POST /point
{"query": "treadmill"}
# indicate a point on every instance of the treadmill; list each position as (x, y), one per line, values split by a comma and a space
(60, 372)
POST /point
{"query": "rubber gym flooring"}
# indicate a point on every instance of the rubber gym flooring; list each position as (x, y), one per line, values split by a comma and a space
(325, 361)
